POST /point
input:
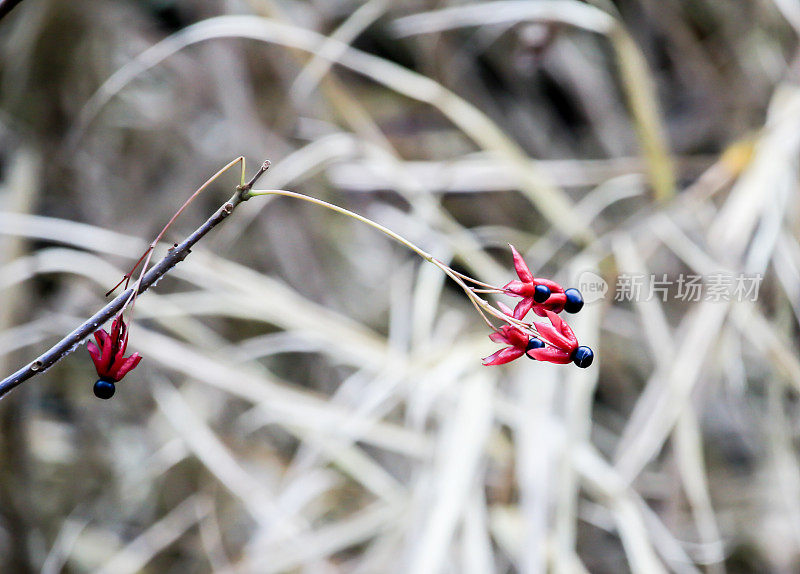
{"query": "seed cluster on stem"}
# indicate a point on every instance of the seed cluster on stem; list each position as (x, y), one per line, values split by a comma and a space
(555, 343)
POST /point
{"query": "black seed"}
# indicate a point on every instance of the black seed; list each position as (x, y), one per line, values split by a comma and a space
(541, 293)
(104, 389)
(533, 343)
(583, 357)
(574, 302)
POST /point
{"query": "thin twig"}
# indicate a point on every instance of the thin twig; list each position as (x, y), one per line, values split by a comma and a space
(6, 6)
(149, 252)
(241, 190)
(385, 230)
(70, 343)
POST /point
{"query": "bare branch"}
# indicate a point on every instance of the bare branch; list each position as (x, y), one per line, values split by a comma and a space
(69, 343)
(6, 6)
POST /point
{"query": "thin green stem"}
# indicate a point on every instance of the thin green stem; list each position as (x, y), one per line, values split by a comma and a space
(481, 305)
(476, 301)
(476, 282)
(386, 231)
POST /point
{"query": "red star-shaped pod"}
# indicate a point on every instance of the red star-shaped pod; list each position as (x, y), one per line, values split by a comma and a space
(517, 340)
(562, 347)
(512, 336)
(538, 294)
(108, 354)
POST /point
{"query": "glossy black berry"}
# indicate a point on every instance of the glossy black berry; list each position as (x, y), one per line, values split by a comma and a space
(583, 357)
(104, 389)
(533, 343)
(574, 302)
(541, 293)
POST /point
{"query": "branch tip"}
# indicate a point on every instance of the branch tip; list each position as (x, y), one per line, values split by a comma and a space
(244, 190)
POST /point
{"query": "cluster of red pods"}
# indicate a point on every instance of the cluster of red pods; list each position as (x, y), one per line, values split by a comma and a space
(555, 343)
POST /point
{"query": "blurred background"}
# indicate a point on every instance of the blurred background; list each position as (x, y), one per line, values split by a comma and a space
(311, 397)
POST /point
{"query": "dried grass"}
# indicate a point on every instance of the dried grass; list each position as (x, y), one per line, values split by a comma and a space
(312, 397)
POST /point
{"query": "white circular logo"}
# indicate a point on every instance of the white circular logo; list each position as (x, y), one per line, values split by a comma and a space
(592, 286)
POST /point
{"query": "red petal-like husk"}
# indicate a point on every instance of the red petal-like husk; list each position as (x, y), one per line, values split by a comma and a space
(116, 325)
(552, 336)
(125, 366)
(503, 356)
(100, 336)
(552, 285)
(551, 355)
(123, 342)
(523, 272)
(108, 355)
(554, 303)
(516, 337)
(498, 337)
(515, 288)
(564, 329)
(523, 307)
(97, 358)
(505, 308)
(119, 335)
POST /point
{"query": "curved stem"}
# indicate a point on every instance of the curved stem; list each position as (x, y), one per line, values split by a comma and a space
(480, 304)
(385, 230)
(480, 283)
